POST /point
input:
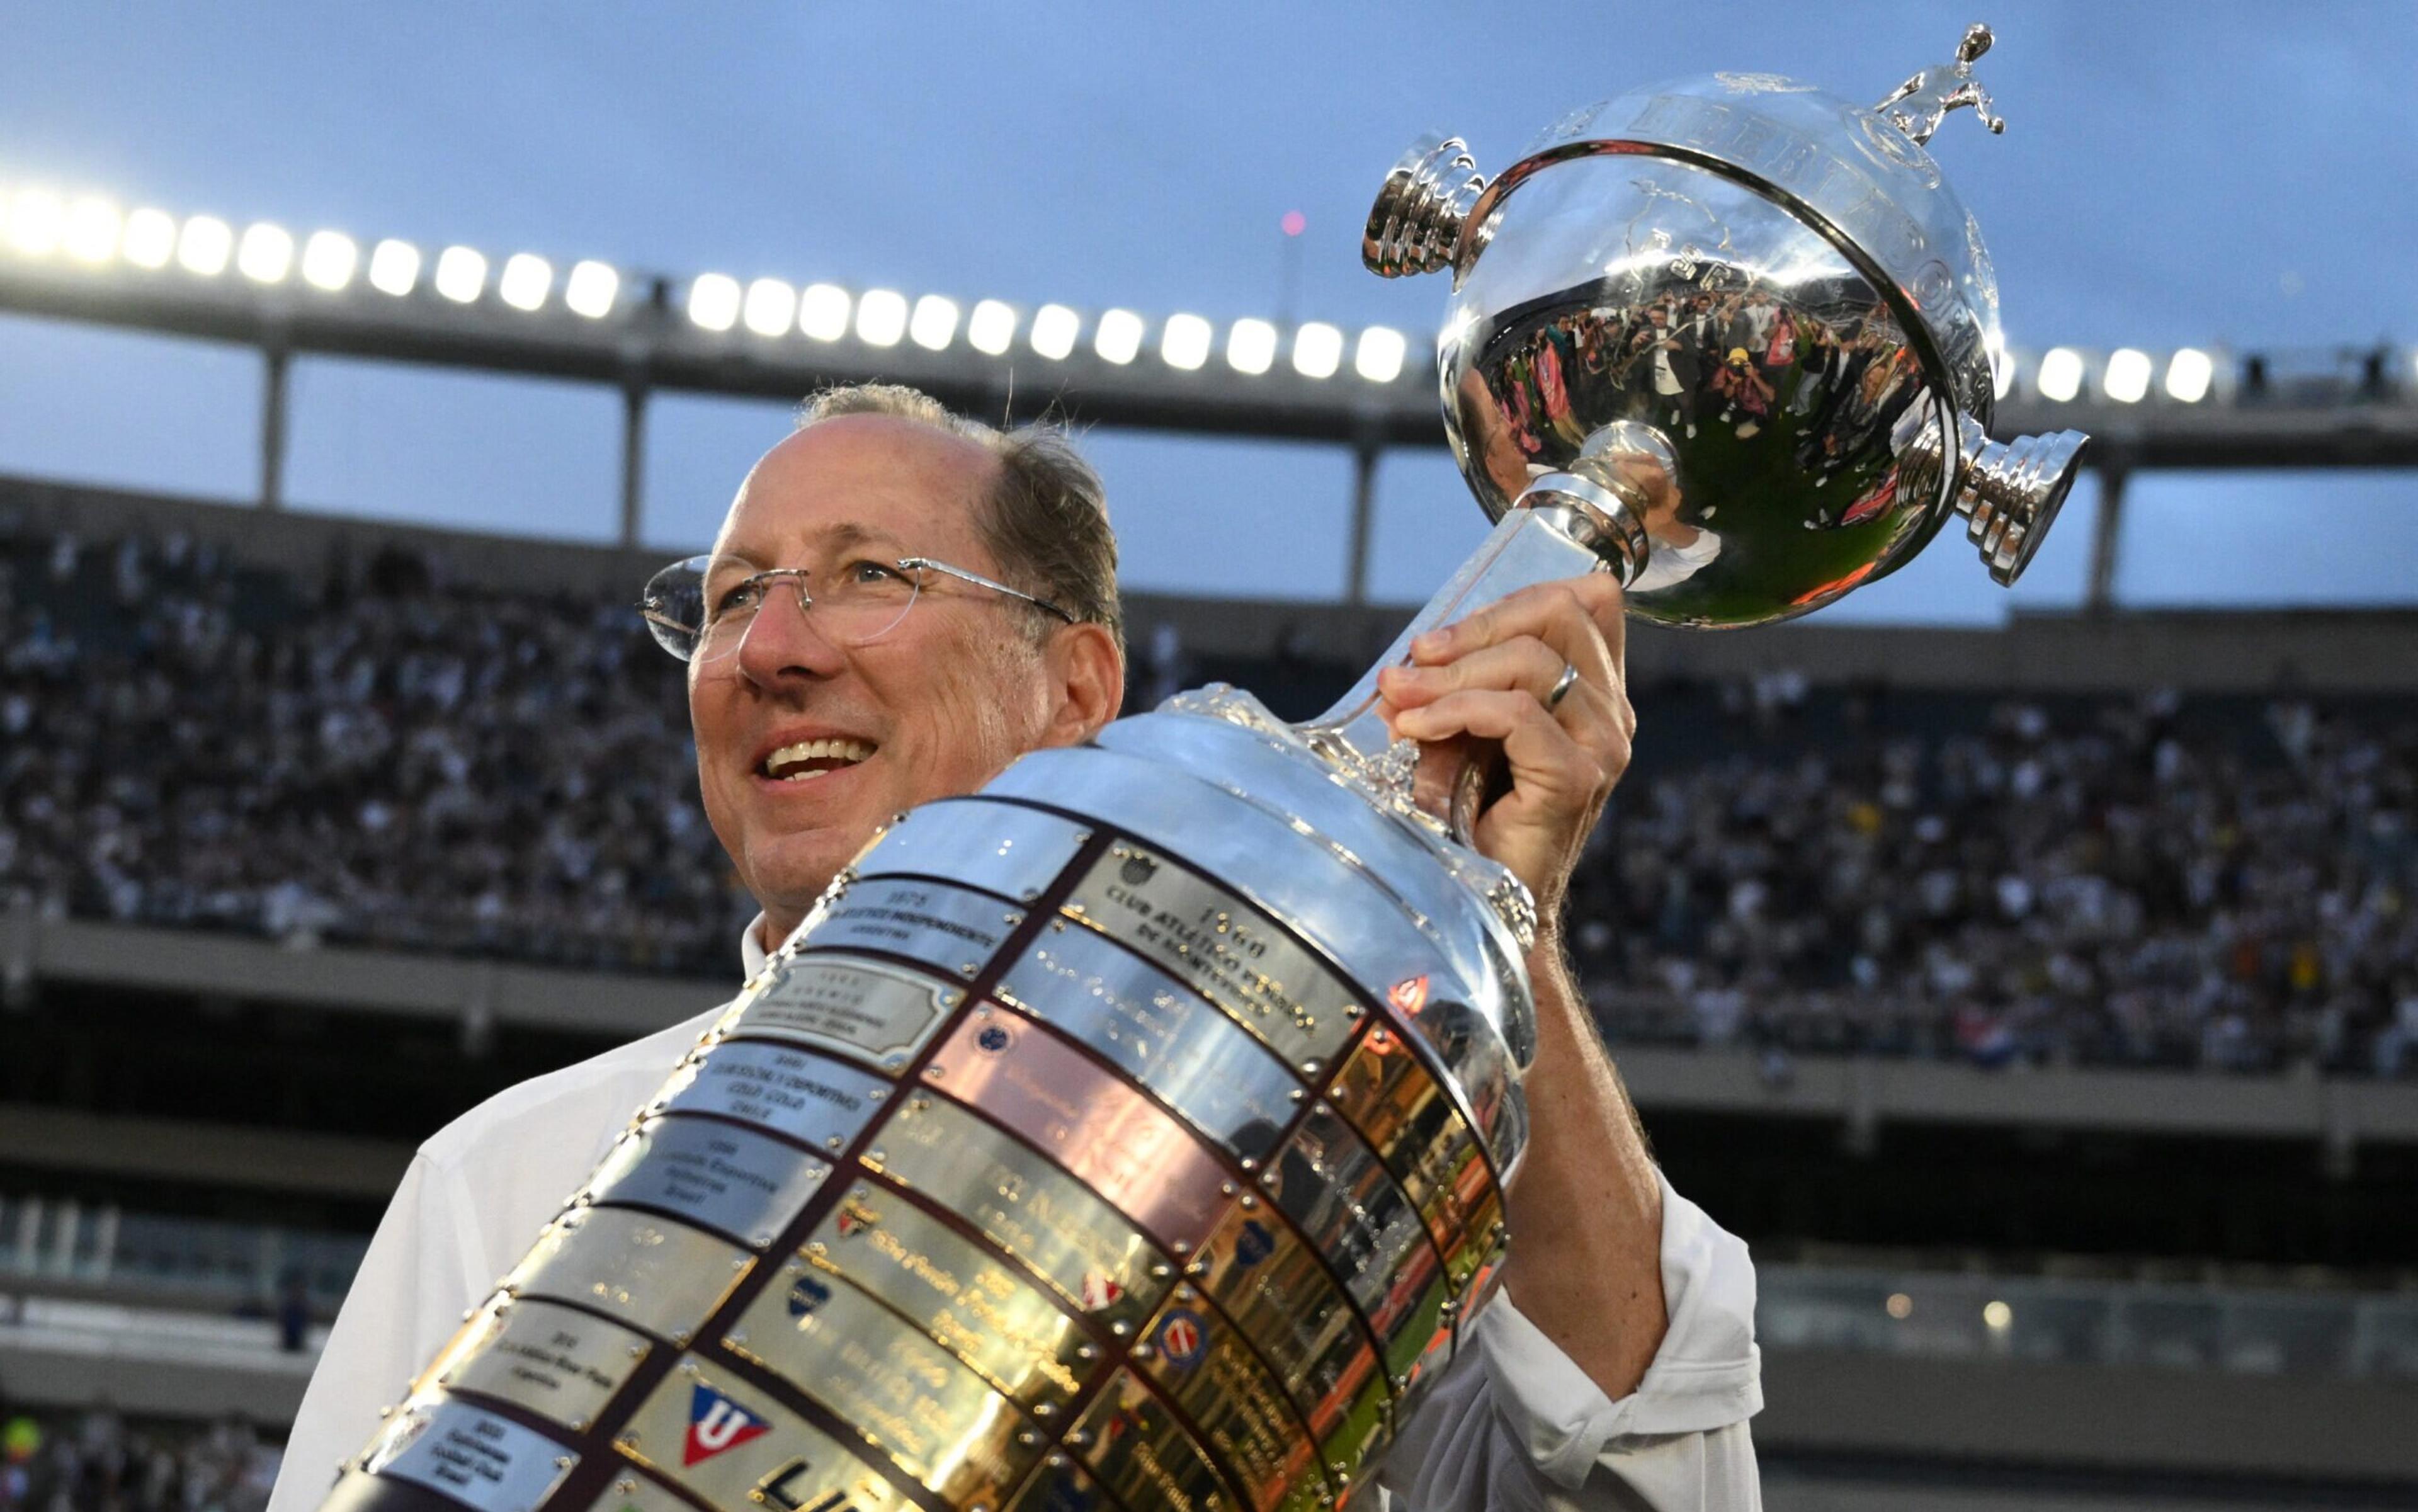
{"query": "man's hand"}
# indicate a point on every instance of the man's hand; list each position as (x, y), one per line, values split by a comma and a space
(1587, 1214)
(1493, 675)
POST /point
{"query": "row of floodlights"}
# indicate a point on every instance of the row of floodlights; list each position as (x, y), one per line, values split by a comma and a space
(35, 223)
(2127, 377)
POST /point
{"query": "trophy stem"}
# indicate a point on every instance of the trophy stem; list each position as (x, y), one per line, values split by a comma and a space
(1549, 538)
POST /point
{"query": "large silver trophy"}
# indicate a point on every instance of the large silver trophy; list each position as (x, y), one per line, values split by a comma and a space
(1133, 1132)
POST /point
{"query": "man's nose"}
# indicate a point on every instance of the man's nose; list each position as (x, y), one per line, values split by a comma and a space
(783, 641)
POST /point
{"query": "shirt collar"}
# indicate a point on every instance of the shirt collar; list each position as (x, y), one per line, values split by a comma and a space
(751, 955)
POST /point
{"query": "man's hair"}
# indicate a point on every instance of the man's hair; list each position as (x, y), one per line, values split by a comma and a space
(1046, 520)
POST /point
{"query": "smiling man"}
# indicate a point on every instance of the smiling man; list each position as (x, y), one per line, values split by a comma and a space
(900, 603)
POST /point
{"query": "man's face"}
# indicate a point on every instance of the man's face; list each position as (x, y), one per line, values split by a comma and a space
(944, 702)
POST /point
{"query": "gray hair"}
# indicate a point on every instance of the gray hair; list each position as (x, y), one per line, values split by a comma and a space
(1046, 520)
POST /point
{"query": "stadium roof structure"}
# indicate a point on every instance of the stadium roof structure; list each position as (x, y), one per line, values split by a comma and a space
(325, 294)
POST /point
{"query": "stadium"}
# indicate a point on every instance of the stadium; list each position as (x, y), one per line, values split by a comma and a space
(2035, 993)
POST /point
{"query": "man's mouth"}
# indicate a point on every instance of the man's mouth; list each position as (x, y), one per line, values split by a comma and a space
(809, 759)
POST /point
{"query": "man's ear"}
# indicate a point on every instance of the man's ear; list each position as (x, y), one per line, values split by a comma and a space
(1087, 674)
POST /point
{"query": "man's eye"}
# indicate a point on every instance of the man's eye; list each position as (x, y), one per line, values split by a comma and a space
(869, 573)
(739, 597)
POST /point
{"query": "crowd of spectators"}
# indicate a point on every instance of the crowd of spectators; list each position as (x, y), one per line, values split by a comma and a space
(386, 758)
(100, 1463)
(2097, 881)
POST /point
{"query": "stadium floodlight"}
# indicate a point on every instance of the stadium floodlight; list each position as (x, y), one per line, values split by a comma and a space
(822, 311)
(394, 267)
(1317, 350)
(2061, 374)
(1379, 356)
(935, 323)
(204, 246)
(329, 259)
(991, 328)
(2127, 378)
(771, 305)
(461, 274)
(149, 240)
(591, 288)
(266, 254)
(92, 231)
(1185, 340)
(1054, 330)
(2189, 371)
(1998, 1315)
(1252, 347)
(880, 317)
(37, 220)
(1117, 336)
(527, 280)
(714, 300)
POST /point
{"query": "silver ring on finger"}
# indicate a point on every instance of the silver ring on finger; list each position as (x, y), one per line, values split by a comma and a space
(1562, 685)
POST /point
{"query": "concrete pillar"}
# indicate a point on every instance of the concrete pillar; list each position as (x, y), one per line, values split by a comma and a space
(634, 459)
(275, 363)
(1365, 453)
(2106, 532)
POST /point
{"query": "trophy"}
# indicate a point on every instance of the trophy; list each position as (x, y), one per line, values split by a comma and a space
(1133, 1132)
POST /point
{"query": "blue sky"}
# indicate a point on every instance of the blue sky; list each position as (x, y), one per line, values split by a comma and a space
(2238, 176)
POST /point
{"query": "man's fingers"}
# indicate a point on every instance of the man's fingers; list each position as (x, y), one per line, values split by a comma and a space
(1525, 663)
(1579, 617)
(1544, 754)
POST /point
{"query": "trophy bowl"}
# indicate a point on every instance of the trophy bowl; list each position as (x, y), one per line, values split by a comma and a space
(1748, 321)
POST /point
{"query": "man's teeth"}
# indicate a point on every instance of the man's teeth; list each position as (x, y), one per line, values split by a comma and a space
(808, 759)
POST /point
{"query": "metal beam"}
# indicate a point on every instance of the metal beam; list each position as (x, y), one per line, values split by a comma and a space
(634, 459)
(2226, 431)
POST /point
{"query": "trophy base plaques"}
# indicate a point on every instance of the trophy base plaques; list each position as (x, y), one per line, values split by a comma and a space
(1130, 1134)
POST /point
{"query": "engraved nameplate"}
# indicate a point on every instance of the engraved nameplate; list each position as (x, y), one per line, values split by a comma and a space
(1202, 1364)
(1000, 847)
(733, 1445)
(1086, 1118)
(808, 1097)
(980, 1307)
(741, 1184)
(1278, 1291)
(881, 1014)
(949, 928)
(1170, 1039)
(663, 1276)
(1142, 1454)
(1351, 1210)
(1085, 1250)
(1223, 947)
(1405, 1116)
(484, 1462)
(559, 1363)
(943, 1423)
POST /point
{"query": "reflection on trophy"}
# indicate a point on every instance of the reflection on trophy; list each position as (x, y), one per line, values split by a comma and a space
(1134, 1133)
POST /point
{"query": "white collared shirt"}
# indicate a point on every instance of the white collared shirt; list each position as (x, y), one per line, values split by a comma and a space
(1514, 1424)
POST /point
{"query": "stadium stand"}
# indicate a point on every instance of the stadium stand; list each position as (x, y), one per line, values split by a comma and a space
(380, 756)
(2039, 1001)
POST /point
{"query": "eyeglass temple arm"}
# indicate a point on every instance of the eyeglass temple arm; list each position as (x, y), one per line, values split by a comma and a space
(927, 563)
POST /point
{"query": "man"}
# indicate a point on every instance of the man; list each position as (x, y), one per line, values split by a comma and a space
(1626, 1373)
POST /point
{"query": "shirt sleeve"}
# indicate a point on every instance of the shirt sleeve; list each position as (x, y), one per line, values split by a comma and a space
(1516, 1424)
(421, 1271)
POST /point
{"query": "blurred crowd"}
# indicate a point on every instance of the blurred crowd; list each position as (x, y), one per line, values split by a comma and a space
(2101, 882)
(380, 757)
(101, 1464)
(386, 757)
